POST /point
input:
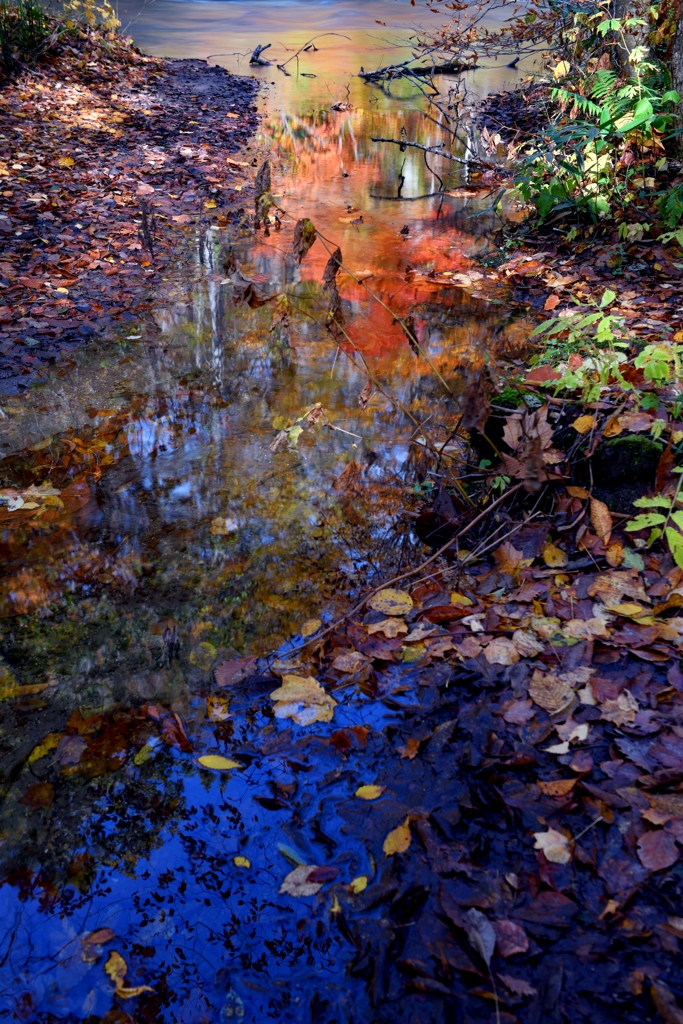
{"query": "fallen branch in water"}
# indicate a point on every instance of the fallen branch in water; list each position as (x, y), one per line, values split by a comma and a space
(438, 150)
(306, 46)
(400, 71)
(256, 56)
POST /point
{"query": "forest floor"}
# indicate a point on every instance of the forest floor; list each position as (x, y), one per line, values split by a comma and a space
(107, 156)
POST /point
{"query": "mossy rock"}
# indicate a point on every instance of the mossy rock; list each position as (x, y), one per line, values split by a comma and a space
(624, 468)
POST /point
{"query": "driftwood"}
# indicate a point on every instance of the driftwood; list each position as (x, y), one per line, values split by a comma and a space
(403, 144)
(256, 56)
(453, 67)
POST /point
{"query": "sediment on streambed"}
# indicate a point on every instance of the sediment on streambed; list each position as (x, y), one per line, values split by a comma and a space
(107, 158)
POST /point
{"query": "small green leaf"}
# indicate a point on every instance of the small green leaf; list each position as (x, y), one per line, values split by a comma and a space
(675, 545)
(658, 501)
(678, 518)
(608, 298)
(644, 521)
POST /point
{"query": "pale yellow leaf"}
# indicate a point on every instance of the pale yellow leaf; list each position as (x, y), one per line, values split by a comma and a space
(241, 862)
(350, 661)
(555, 846)
(218, 763)
(310, 627)
(390, 628)
(391, 602)
(601, 519)
(460, 599)
(554, 557)
(357, 885)
(369, 792)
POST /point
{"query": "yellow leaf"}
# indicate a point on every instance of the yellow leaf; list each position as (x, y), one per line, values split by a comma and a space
(413, 652)
(629, 609)
(65, 161)
(304, 700)
(310, 627)
(678, 336)
(336, 906)
(613, 427)
(215, 761)
(554, 557)
(601, 520)
(615, 554)
(217, 708)
(578, 492)
(210, 204)
(357, 885)
(369, 792)
(49, 743)
(398, 839)
(561, 69)
(116, 967)
(241, 862)
(583, 424)
(460, 599)
(391, 602)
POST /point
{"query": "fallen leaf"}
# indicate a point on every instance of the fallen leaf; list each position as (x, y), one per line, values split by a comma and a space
(297, 882)
(460, 599)
(508, 558)
(558, 788)
(527, 644)
(578, 492)
(518, 985)
(310, 627)
(216, 762)
(391, 602)
(241, 862)
(621, 711)
(398, 840)
(409, 749)
(217, 708)
(601, 519)
(391, 628)
(369, 792)
(519, 712)
(665, 1003)
(117, 968)
(555, 846)
(45, 747)
(554, 557)
(583, 424)
(501, 651)
(657, 850)
(550, 692)
(481, 934)
(359, 884)
(303, 700)
(40, 795)
(510, 937)
(98, 937)
(552, 302)
(615, 554)
(350, 661)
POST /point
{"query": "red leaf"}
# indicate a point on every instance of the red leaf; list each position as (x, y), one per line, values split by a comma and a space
(542, 374)
(511, 938)
(657, 850)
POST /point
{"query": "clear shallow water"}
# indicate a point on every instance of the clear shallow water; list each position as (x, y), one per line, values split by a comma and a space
(194, 542)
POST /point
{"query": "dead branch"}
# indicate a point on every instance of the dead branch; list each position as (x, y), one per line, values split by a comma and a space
(256, 56)
(438, 150)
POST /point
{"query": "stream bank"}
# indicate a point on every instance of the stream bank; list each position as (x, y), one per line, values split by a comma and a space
(107, 158)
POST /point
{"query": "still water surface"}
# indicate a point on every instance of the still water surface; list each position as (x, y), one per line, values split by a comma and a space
(199, 544)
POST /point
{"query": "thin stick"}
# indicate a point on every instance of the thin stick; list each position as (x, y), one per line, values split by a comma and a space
(306, 45)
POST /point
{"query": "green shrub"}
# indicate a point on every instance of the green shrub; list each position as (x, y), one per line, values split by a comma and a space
(24, 27)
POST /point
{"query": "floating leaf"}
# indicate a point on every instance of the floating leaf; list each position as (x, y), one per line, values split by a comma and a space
(117, 968)
(391, 628)
(391, 602)
(297, 882)
(398, 840)
(217, 763)
(45, 746)
(241, 862)
(358, 885)
(369, 792)
(303, 700)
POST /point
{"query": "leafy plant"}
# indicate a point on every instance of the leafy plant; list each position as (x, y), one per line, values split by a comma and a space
(24, 27)
(667, 523)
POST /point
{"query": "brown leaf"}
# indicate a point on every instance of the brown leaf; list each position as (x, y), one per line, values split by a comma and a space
(550, 692)
(615, 554)
(409, 749)
(304, 237)
(552, 302)
(561, 787)
(518, 985)
(657, 850)
(666, 1004)
(511, 938)
(519, 712)
(40, 795)
(332, 268)
(508, 558)
(365, 395)
(232, 672)
(601, 520)
(501, 651)
(350, 477)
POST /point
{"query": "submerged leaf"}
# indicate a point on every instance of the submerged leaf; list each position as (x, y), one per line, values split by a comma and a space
(218, 763)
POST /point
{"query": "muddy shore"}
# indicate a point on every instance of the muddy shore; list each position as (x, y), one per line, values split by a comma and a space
(108, 158)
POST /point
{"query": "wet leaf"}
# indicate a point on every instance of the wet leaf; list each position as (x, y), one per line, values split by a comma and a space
(45, 747)
(508, 558)
(304, 237)
(303, 700)
(241, 862)
(555, 846)
(409, 749)
(527, 644)
(370, 792)
(665, 1003)
(389, 628)
(398, 840)
(310, 627)
(511, 938)
(217, 708)
(297, 882)
(117, 968)
(359, 884)
(352, 661)
(217, 763)
(391, 602)
(550, 692)
(481, 934)
(98, 937)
